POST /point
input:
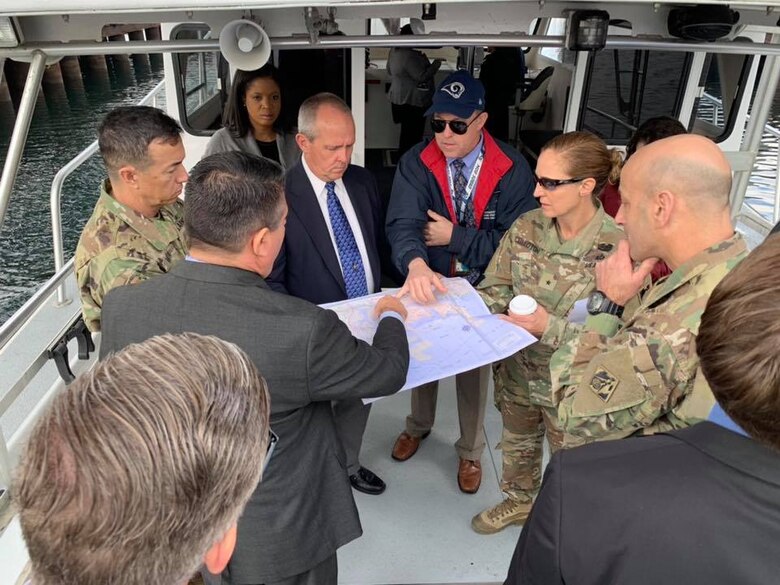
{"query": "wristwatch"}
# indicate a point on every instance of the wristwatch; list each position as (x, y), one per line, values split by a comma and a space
(599, 303)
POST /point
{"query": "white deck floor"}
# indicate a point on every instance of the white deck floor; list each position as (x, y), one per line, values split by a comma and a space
(419, 530)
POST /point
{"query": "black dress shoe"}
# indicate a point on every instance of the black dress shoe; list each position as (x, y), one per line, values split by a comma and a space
(367, 482)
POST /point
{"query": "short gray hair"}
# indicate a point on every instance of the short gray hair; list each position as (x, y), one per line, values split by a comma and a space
(143, 464)
(307, 114)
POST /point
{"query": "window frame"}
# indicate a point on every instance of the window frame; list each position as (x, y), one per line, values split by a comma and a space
(182, 94)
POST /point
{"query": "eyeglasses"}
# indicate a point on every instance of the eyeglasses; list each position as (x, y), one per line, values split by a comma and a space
(273, 439)
(553, 184)
(458, 127)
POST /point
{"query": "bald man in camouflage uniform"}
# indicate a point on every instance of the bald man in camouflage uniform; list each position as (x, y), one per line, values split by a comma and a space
(532, 260)
(638, 374)
(135, 230)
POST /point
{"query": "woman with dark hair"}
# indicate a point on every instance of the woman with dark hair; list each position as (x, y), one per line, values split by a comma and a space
(649, 131)
(252, 119)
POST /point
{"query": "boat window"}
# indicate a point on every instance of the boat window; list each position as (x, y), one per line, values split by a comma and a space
(201, 86)
(723, 84)
(557, 27)
(624, 88)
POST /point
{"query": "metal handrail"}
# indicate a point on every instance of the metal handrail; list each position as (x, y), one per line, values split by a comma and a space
(719, 102)
(56, 195)
(80, 48)
(612, 118)
(12, 325)
(21, 128)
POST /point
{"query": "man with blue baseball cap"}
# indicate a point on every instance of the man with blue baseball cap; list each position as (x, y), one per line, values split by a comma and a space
(452, 200)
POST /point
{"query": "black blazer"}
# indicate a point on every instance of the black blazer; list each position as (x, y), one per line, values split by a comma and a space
(303, 509)
(695, 506)
(308, 265)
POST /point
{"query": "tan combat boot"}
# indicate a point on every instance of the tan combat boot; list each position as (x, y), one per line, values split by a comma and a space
(500, 516)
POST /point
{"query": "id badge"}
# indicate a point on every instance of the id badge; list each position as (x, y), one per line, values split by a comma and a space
(460, 267)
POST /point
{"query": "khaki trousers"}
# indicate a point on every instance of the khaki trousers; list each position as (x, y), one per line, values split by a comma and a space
(471, 388)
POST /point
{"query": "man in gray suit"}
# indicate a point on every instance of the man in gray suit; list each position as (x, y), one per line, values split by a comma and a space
(235, 216)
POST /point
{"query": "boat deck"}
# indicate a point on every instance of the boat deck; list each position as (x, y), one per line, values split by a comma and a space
(419, 530)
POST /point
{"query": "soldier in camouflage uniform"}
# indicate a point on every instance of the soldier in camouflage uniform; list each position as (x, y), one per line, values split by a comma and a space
(549, 254)
(135, 230)
(638, 374)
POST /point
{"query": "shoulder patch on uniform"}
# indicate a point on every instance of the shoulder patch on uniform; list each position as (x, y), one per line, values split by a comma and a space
(603, 383)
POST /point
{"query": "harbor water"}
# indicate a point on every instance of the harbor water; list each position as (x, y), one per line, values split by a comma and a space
(63, 125)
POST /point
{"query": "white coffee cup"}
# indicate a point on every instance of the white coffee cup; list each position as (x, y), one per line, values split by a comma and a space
(522, 305)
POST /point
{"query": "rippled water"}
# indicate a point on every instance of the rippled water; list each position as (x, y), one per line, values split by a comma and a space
(63, 125)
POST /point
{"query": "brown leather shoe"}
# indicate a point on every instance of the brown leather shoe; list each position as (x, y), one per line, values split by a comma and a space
(406, 445)
(469, 476)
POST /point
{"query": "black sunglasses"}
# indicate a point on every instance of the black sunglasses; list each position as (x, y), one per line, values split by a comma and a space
(552, 184)
(273, 439)
(458, 127)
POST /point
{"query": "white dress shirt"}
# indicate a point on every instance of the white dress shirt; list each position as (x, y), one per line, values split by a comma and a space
(341, 192)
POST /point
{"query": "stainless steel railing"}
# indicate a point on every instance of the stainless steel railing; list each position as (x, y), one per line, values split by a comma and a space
(62, 269)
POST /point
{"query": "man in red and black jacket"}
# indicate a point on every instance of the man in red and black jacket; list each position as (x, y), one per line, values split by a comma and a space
(452, 200)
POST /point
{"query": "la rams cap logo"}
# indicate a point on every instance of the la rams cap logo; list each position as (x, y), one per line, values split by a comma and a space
(455, 89)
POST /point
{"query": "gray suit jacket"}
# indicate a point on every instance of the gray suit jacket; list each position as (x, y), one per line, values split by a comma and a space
(303, 509)
(223, 141)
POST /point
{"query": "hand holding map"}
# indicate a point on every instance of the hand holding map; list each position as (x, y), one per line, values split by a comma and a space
(453, 334)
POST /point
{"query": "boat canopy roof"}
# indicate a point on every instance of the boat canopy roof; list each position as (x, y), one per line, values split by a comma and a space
(71, 7)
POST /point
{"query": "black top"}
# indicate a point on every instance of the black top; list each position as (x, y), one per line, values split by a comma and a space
(269, 149)
(694, 506)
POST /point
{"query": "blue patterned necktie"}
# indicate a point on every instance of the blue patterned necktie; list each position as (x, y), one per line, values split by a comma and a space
(464, 206)
(464, 209)
(349, 254)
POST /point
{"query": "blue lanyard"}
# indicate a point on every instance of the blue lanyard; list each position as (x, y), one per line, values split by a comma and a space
(470, 184)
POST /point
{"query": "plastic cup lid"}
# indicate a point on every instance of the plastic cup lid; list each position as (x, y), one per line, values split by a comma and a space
(522, 305)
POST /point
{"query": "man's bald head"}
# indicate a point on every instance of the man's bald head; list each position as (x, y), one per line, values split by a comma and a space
(690, 166)
(675, 199)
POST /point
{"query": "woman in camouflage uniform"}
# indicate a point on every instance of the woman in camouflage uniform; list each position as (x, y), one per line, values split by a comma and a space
(549, 254)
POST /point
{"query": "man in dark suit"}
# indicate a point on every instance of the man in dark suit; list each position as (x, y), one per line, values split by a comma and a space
(332, 241)
(698, 505)
(234, 216)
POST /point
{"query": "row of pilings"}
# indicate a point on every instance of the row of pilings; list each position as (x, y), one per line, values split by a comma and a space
(66, 79)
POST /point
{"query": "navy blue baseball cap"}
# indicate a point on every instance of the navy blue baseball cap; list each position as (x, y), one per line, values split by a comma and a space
(460, 94)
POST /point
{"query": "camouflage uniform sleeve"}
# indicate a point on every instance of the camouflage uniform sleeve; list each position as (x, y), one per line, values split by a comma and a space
(101, 279)
(496, 287)
(559, 331)
(608, 385)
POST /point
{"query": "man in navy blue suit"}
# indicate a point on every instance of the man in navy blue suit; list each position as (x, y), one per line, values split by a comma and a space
(331, 246)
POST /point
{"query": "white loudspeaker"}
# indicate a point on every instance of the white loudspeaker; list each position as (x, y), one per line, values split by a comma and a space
(417, 26)
(244, 45)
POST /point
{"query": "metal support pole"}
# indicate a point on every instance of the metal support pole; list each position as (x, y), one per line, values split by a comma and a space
(55, 200)
(755, 127)
(81, 48)
(21, 128)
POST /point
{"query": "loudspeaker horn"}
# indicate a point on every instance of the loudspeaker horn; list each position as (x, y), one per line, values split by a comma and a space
(417, 26)
(244, 45)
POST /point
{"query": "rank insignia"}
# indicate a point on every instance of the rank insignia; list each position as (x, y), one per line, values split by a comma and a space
(603, 384)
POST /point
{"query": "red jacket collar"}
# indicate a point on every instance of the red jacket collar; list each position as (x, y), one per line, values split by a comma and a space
(495, 166)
